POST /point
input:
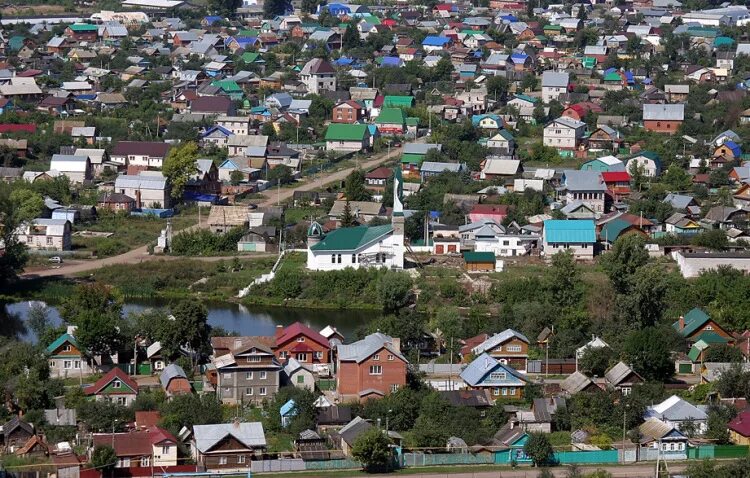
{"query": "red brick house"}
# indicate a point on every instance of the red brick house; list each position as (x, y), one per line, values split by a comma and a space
(347, 112)
(370, 368)
(663, 118)
(301, 343)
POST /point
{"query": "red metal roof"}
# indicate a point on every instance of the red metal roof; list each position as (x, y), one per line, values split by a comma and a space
(615, 176)
(113, 374)
(297, 329)
(379, 173)
(489, 209)
(17, 128)
(741, 424)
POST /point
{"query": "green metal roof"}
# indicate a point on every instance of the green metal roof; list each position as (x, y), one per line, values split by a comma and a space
(712, 338)
(552, 27)
(473, 257)
(351, 238)
(612, 76)
(398, 101)
(391, 116)
(412, 121)
(412, 158)
(695, 351)
(229, 86)
(612, 230)
(346, 132)
(84, 27)
(61, 340)
(250, 57)
(694, 320)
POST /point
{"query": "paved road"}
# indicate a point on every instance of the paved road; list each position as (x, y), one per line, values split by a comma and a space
(141, 254)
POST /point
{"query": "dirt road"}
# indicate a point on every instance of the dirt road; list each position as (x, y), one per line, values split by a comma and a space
(141, 254)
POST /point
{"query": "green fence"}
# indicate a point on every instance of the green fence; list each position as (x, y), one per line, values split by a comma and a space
(326, 384)
(345, 464)
(582, 457)
(730, 451)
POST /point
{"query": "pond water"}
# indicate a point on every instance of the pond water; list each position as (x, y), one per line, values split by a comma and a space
(238, 318)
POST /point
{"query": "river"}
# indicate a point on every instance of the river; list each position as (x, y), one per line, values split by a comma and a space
(238, 318)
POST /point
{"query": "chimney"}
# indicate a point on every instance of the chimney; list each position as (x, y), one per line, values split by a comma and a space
(682, 322)
(396, 344)
(138, 199)
(279, 331)
(236, 422)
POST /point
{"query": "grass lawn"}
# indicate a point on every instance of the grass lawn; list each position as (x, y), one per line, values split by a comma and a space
(132, 231)
(304, 213)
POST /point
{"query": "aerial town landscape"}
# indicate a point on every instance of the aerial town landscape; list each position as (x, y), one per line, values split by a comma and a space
(497, 238)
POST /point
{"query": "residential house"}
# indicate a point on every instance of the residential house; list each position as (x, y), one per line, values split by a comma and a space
(511, 241)
(248, 372)
(492, 212)
(146, 154)
(299, 375)
(391, 121)
(348, 434)
(739, 428)
(239, 125)
(16, 433)
(622, 378)
(586, 187)
(605, 138)
(115, 386)
(680, 224)
(77, 168)
(577, 382)
(66, 359)
(347, 138)
(174, 381)
(676, 93)
(502, 143)
(153, 447)
(485, 372)
(432, 168)
(228, 446)
(318, 75)
(648, 161)
(363, 211)
(679, 414)
(413, 155)
(693, 325)
(370, 368)
(349, 111)
(377, 178)
(578, 236)
(554, 85)
(564, 134)
(658, 438)
(46, 234)
(508, 347)
(305, 345)
(253, 145)
(666, 118)
(500, 168)
(603, 164)
(222, 219)
(148, 190)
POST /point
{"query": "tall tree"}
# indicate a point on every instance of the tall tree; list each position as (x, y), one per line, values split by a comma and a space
(538, 448)
(649, 351)
(179, 166)
(565, 280)
(373, 450)
(355, 186)
(96, 311)
(17, 206)
(644, 303)
(347, 218)
(189, 332)
(274, 8)
(351, 38)
(627, 255)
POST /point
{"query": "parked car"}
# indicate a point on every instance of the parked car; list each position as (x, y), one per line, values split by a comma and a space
(56, 260)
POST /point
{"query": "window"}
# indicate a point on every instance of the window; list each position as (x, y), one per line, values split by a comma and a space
(146, 460)
(249, 391)
(505, 391)
(512, 391)
(513, 348)
(302, 357)
(496, 391)
(263, 375)
(122, 401)
(241, 459)
(394, 387)
(338, 259)
(376, 370)
(626, 391)
(262, 391)
(165, 450)
(253, 358)
(333, 258)
(116, 384)
(227, 376)
(76, 364)
(222, 460)
(300, 378)
(376, 357)
(67, 364)
(391, 357)
(497, 376)
(66, 348)
(300, 339)
(354, 258)
(319, 355)
(284, 354)
(709, 327)
(248, 375)
(49, 241)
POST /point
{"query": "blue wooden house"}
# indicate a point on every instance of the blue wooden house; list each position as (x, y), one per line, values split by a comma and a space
(488, 373)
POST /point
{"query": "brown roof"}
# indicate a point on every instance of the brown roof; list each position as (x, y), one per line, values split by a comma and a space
(228, 215)
(154, 149)
(211, 104)
(147, 419)
(379, 173)
(263, 342)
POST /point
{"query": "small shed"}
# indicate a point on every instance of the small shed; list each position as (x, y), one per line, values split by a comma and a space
(479, 261)
(222, 219)
(288, 411)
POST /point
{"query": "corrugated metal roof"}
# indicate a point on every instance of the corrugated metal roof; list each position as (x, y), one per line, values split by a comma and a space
(250, 434)
(565, 231)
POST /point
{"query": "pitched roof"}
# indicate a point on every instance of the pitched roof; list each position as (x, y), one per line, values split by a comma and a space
(317, 66)
(497, 339)
(484, 365)
(568, 231)
(171, 371)
(618, 373)
(61, 340)
(249, 434)
(741, 424)
(351, 238)
(154, 149)
(575, 382)
(675, 408)
(694, 320)
(354, 429)
(362, 349)
(298, 328)
(663, 112)
(114, 374)
(346, 132)
(584, 180)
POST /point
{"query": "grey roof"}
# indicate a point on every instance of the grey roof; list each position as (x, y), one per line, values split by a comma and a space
(573, 206)
(292, 366)
(171, 371)
(575, 383)
(676, 409)
(569, 122)
(584, 180)
(678, 201)
(421, 148)
(152, 182)
(250, 434)
(720, 213)
(363, 349)
(481, 366)
(555, 79)
(657, 112)
(618, 373)
(353, 429)
(436, 167)
(498, 339)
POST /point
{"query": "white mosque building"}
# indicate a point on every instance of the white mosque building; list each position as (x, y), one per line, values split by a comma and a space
(360, 246)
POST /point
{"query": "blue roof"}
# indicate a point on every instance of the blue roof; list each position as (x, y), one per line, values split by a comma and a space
(86, 97)
(509, 18)
(481, 372)
(288, 409)
(343, 61)
(391, 61)
(629, 77)
(217, 128)
(734, 147)
(211, 19)
(573, 231)
(519, 57)
(435, 41)
(475, 119)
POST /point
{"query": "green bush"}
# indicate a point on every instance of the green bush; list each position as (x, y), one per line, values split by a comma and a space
(109, 247)
(203, 242)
